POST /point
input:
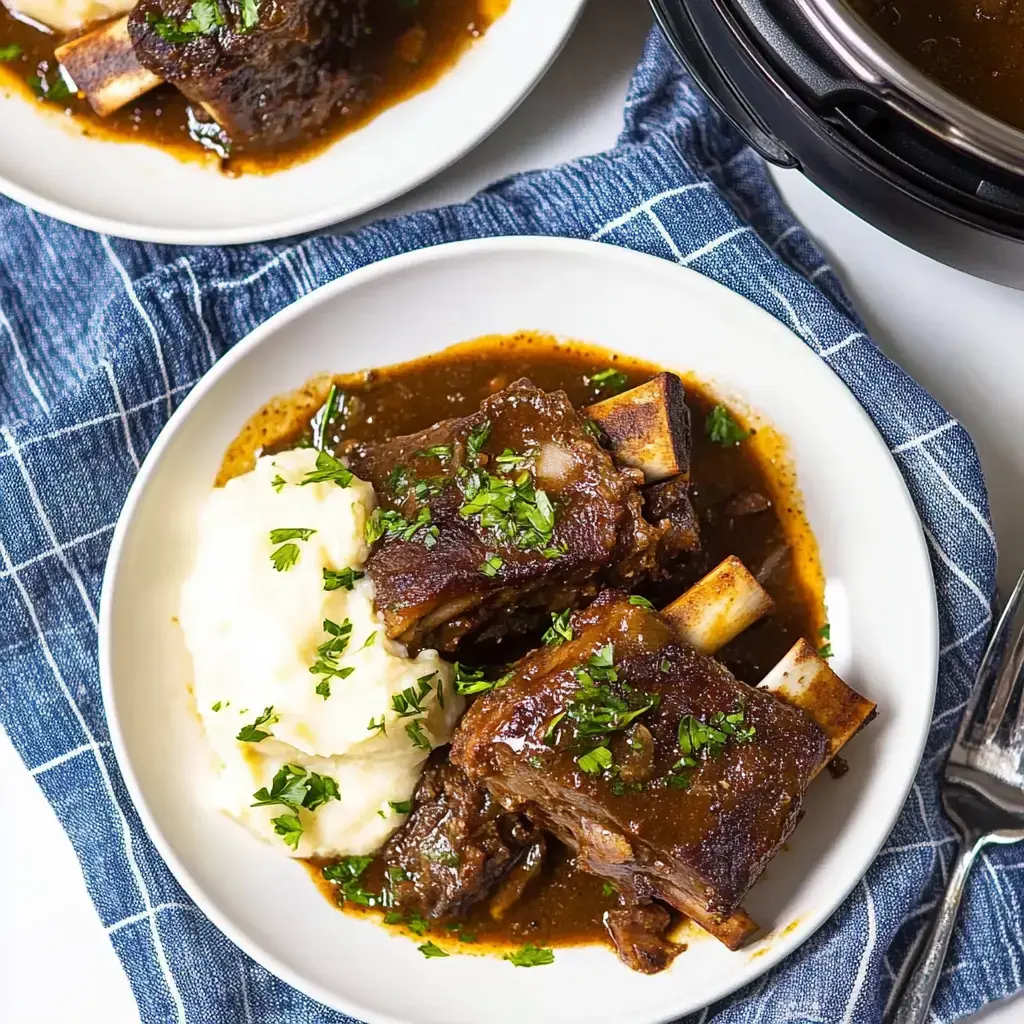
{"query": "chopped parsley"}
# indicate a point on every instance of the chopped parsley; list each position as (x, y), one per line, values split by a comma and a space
(723, 429)
(401, 806)
(10, 52)
(593, 430)
(665, 666)
(289, 828)
(217, 706)
(294, 787)
(348, 873)
(430, 949)
(278, 482)
(291, 533)
(323, 688)
(414, 730)
(410, 701)
(509, 460)
(609, 380)
(530, 956)
(285, 557)
(595, 761)
(253, 733)
(491, 565)
(341, 579)
(328, 470)
(559, 631)
(549, 732)
(393, 524)
(435, 451)
(478, 438)
(608, 889)
(513, 510)
(329, 651)
(376, 726)
(206, 18)
(640, 602)
(825, 649)
(470, 681)
(708, 739)
(368, 642)
(250, 18)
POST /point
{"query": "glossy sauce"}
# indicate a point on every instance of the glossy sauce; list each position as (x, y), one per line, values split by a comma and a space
(975, 48)
(403, 61)
(565, 906)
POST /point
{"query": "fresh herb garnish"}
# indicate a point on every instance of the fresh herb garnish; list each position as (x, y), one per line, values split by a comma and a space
(289, 828)
(723, 429)
(278, 482)
(595, 761)
(322, 420)
(435, 451)
(329, 651)
(665, 666)
(430, 949)
(640, 602)
(559, 631)
(58, 90)
(206, 18)
(508, 460)
(328, 470)
(414, 730)
(323, 688)
(292, 533)
(253, 733)
(341, 579)
(401, 806)
(491, 565)
(10, 52)
(376, 726)
(609, 380)
(514, 510)
(478, 438)
(469, 681)
(608, 889)
(250, 12)
(410, 701)
(549, 732)
(348, 873)
(394, 524)
(285, 557)
(217, 706)
(294, 787)
(530, 956)
(825, 633)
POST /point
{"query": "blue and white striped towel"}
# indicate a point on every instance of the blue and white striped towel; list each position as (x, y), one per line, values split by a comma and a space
(100, 339)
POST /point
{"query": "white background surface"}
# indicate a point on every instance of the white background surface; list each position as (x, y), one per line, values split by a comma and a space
(961, 338)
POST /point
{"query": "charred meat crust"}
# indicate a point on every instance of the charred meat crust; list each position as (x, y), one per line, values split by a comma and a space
(698, 848)
(434, 594)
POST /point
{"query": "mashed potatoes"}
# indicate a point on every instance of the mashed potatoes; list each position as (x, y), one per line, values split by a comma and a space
(335, 720)
(68, 15)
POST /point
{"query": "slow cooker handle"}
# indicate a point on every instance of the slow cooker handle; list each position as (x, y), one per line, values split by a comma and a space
(676, 26)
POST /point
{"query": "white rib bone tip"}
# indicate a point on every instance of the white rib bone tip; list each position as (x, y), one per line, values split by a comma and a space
(719, 607)
(648, 427)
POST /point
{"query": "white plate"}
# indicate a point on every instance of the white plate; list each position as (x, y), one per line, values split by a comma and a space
(137, 191)
(872, 550)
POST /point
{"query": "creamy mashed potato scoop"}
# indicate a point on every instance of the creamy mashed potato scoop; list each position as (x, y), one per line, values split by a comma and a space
(313, 714)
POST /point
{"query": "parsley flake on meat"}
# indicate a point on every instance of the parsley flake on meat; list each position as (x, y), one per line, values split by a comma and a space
(478, 438)
(491, 565)
(393, 524)
(470, 681)
(595, 761)
(430, 949)
(610, 380)
(559, 631)
(641, 602)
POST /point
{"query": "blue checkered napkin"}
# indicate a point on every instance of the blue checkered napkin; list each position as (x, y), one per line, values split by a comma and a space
(100, 339)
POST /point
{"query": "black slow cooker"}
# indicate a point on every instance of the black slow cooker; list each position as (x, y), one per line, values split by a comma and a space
(811, 86)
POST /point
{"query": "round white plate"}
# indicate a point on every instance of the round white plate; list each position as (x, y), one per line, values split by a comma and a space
(871, 546)
(138, 191)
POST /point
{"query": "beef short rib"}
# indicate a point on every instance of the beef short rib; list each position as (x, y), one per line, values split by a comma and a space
(491, 521)
(266, 72)
(664, 772)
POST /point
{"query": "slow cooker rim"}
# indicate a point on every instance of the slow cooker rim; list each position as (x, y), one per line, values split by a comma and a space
(909, 91)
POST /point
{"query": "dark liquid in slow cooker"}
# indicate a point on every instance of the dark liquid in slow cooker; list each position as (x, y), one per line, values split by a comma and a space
(975, 48)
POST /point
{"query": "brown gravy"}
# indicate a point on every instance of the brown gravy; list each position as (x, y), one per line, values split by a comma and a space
(404, 63)
(566, 905)
(975, 49)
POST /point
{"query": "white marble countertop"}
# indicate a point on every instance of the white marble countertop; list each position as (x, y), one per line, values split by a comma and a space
(961, 338)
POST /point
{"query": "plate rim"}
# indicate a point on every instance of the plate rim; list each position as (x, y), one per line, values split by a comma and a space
(297, 225)
(781, 949)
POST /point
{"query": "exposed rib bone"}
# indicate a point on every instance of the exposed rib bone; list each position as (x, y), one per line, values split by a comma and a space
(648, 427)
(103, 65)
(804, 679)
(719, 607)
